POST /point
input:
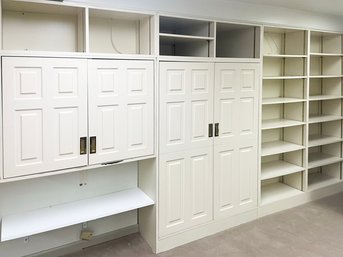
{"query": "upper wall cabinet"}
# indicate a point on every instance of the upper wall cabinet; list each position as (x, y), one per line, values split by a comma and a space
(32, 26)
(204, 38)
(120, 32)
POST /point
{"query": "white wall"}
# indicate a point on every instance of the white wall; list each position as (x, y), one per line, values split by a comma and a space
(229, 10)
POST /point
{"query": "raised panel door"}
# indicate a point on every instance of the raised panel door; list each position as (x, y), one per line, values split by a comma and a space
(45, 114)
(186, 105)
(235, 147)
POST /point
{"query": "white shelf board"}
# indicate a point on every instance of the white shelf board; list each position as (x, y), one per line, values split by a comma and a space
(323, 118)
(325, 76)
(321, 159)
(325, 54)
(320, 180)
(285, 55)
(324, 97)
(316, 140)
(63, 215)
(277, 191)
(277, 147)
(278, 168)
(280, 123)
(284, 77)
(281, 100)
(183, 37)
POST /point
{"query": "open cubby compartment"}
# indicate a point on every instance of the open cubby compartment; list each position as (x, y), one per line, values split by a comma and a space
(237, 41)
(283, 90)
(324, 176)
(186, 37)
(282, 164)
(326, 66)
(326, 43)
(325, 88)
(120, 32)
(279, 41)
(282, 140)
(325, 110)
(284, 67)
(282, 115)
(325, 133)
(281, 188)
(31, 26)
(324, 155)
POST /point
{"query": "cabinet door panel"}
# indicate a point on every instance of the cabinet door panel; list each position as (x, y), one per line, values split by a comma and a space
(121, 109)
(45, 114)
(185, 190)
(236, 111)
(186, 105)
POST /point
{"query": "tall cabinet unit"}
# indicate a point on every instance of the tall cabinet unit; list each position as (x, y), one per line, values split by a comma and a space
(283, 130)
(325, 110)
(76, 97)
(208, 125)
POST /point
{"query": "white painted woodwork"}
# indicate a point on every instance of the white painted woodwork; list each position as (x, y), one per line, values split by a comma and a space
(54, 217)
(235, 149)
(45, 113)
(121, 106)
(186, 179)
(186, 105)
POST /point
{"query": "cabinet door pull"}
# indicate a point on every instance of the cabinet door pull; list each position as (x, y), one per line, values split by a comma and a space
(92, 145)
(210, 130)
(83, 145)
(216, 130)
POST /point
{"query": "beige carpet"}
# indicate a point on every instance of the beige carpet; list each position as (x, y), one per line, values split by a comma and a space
(311, 230)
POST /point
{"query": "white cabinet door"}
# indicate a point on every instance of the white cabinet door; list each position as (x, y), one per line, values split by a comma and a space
(185, 190)
(121, 114)
(235, 151)
(45, 114)
(186, 163)
(186, 105)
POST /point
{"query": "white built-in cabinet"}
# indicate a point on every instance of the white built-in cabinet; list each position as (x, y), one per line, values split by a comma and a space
(208, 142)
(47, 113)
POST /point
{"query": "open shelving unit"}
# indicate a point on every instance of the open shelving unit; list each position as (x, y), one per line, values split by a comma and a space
(284, 98)
(42, 27)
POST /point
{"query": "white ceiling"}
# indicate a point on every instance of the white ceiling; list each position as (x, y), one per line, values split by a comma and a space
(333, 7)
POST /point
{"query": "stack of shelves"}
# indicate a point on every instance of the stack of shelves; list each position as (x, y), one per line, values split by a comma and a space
(325, 110)
(283, 113)
(186, 37)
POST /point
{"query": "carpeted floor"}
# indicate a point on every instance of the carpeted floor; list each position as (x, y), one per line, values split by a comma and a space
(311, 230)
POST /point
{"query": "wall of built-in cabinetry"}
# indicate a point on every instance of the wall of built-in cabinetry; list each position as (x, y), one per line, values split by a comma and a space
(171, 121)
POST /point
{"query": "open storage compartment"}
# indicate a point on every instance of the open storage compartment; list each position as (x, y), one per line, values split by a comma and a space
(186, 37)
(284, 42)
(33, 26)
(324, 176)
(324, 155)
(325, 133)
(280, 188)
(119, 32)
(283, 67)
(237, 41)
(282, 115)
(325, 88)
(282, 140)
(326, 43)
(326, 66)
(283, 91)
(325, 110)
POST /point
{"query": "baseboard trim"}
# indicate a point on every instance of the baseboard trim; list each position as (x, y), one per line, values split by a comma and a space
(79, 245)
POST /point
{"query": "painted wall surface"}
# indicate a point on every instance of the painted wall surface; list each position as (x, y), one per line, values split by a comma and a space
(229, 10)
